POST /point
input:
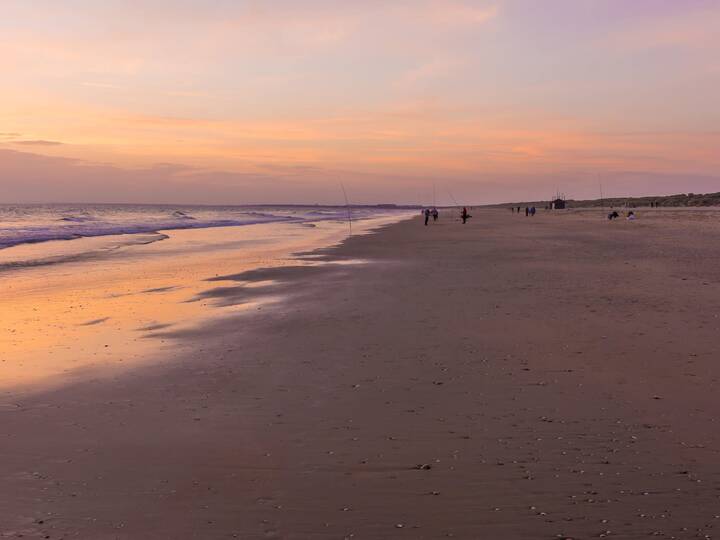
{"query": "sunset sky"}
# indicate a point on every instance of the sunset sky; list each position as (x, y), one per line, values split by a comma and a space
(232, 101)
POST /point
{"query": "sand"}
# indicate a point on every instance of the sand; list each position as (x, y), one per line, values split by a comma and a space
(546, 377)
(97, 312)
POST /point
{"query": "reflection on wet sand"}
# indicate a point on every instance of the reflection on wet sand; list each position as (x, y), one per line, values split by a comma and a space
(95, 315)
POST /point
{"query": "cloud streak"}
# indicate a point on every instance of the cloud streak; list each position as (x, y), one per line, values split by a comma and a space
(37, 142)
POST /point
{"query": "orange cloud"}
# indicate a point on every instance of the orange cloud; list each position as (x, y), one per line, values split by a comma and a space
(38, 142)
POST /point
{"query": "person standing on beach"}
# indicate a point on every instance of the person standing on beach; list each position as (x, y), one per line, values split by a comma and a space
(435, 214)
(532, 211)
(464, 215)
(527, 211)
(427, 216)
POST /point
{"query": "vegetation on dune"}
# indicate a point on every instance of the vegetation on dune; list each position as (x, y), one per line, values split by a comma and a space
(681, 199)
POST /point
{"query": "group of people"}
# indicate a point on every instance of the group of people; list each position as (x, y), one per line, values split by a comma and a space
(430, 212)
(529, 210)
(433, 212)
(614, 215)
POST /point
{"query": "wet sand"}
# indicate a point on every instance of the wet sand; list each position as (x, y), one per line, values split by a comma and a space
(547, 377)
(92, 307)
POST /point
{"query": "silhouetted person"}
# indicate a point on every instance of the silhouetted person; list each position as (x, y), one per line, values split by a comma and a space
(527, 211)
(427, 216)
(464, 215)
(532, 211)
(435, 214)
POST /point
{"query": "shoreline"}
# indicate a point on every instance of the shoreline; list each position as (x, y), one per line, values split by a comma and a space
(94, 313)
(508, 378)
(55, 224)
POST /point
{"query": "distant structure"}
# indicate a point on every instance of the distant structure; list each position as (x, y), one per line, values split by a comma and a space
(558, 202)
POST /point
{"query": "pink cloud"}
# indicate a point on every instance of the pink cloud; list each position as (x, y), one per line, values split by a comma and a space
(692, 29)
(460, 13)
(433, 69)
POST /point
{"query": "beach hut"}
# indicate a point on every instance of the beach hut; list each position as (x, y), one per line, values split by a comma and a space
(558, 204)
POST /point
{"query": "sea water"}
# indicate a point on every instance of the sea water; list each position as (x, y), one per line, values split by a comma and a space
(94, 290)
(32, 235)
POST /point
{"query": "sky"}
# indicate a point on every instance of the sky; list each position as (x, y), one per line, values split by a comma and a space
(476, 101)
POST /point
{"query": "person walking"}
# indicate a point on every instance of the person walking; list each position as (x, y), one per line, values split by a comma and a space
(527, 211)
(427, 216)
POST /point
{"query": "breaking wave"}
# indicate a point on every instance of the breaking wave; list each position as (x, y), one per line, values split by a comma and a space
(30, 224)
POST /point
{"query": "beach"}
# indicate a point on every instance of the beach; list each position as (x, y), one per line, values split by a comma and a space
(514, 377)
(79, 306)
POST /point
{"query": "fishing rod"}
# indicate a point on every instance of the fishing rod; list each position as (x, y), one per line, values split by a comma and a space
(451, 197)
(347, 205)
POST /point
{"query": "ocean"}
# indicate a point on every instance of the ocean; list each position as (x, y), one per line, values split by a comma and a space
(59, 232)
(100, 288)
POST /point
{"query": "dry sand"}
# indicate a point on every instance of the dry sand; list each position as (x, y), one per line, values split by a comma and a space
(547, 377)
